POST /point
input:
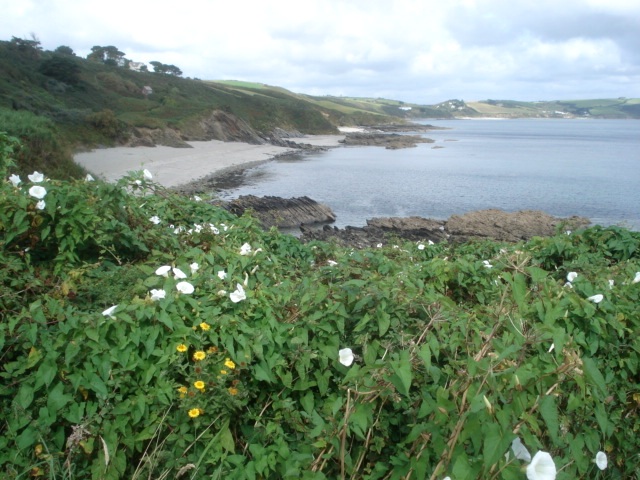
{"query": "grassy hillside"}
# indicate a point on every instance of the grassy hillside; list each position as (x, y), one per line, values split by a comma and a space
(147, 335)
(599, 108)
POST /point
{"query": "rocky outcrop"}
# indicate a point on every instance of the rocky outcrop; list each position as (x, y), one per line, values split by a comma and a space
(479, 225)
(150, 137)
(508, 227)
(226, 127)
(391, 141)
(282, 212)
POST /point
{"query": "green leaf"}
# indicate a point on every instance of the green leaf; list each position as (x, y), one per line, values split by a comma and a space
(402, 373)
(57, 399)
(496, 443)
(384, 321)
(594, 376)
(549, 412)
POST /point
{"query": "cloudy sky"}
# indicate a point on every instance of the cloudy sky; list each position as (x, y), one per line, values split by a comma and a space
(422, 51)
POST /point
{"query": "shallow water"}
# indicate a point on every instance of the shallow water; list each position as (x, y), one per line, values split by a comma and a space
(564, 167)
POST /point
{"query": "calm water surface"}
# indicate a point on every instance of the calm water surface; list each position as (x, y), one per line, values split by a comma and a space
(563, 167)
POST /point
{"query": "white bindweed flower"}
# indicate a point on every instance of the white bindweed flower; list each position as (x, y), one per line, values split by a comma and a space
(194, 267)
(197, 198)
(36, 177)
(568, 285)
(520, 451)
(245, 249)
(636, 279)
(89, 178)
(238, 294)
(37, 192)
(157, 294)
(611, 284)
(429, 242)
(420, 246)
(568, 232)
(185, 287)
(222, 274)
(109, 311)
(541, 467)
(163, 271)
(379, 245)
(596, 298)
(155, 220)
(15, 179)
(346, 356)
(41, 204)
(487, 264)
(147, 174)
(601, 460)
(551, 348)
(214, 229)
(571, 276)
(179, 274)
(332, 263)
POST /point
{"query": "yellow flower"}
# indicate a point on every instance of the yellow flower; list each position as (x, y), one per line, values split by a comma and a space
(223, 372)
(199, 384)
(182, 389)
(232, 391)
(229, 363)
(212, 349)
(181, 348)
(194, 412)
(199, 355)
(205, 326)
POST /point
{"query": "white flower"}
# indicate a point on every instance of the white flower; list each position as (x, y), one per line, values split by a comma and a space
(568, 285)
(109, 311)
(238, 295)
(331, 263)
(568, 232)
(155, 219)
(611, 284)
(520, 451)
(37, 192)
(346, 356)
(197, 198)
(15, 179)
(245, 249)
(379, 245)
(185, 287)
(636, 279)
(446, 478)
(553, 345)
(41, 204)
(194, 267)
(596, 298)
(214, 229)
(571, 276)
(601, 460)
(222, 274)
(541, 467)
(163, 270)
(89, 178)
(36, 177)
(177, 273)
(487, 264)
(420, 246)
(147, 174)
(157, 294)
(429, 242)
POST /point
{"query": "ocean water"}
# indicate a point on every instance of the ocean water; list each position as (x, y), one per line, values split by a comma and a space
(564, 167)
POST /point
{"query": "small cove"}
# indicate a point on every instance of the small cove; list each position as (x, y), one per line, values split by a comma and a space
(564, 167)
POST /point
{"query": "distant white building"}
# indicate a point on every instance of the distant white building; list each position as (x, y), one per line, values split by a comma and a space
(406, 109)
(147, 90)
(136, 66)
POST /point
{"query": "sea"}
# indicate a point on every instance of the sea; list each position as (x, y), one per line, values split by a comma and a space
(564, 167)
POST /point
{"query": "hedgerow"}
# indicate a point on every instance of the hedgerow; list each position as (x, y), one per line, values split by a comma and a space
(144, 334)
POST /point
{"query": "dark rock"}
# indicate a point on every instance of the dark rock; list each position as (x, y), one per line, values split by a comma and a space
(508, 227)
(282, 212)
(480, 225)
(390, 141)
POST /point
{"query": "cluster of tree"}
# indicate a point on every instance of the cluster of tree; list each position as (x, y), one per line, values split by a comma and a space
(166, 69)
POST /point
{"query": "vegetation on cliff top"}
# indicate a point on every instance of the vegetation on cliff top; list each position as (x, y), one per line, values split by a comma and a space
(144, 334)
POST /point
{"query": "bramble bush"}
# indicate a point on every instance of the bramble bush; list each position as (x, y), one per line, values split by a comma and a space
(144, 334)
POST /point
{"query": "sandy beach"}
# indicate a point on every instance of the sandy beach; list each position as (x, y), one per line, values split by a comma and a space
(172, 167)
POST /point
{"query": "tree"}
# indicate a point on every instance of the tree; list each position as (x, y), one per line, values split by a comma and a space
(61, 68)
(163, 68)
(30, 48)
(109, 55)
(64, 50)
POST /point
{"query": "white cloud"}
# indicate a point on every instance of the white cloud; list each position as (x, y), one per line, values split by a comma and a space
(412, 50)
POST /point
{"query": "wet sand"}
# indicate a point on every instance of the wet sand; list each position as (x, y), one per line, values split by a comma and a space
(172, 167)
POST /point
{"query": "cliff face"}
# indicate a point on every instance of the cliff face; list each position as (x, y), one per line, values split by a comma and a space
(282, 212)
(219, 125)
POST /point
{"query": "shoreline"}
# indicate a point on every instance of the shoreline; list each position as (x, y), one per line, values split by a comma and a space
(181, 167)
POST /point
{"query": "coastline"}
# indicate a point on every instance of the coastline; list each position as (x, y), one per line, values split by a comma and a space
(177, 167)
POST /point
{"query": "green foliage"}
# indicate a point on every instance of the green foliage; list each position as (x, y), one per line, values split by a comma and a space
(240, 376)
(62, 68)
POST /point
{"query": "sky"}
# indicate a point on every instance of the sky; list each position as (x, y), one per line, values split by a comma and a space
(418, 51)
